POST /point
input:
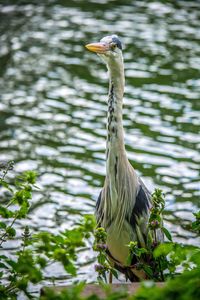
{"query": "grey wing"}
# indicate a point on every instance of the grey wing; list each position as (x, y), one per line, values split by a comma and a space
(140, 214)
(142, 203)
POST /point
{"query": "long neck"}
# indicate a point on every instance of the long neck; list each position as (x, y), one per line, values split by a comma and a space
(115, 135)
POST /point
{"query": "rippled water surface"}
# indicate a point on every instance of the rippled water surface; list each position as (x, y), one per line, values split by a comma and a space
(54, 102)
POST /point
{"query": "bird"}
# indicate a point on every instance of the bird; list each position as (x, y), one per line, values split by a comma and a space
(124, 203)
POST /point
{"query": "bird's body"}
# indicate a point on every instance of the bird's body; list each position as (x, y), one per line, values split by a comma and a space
(124, 203)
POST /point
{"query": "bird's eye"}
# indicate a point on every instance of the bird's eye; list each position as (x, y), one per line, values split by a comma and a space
(113, 46)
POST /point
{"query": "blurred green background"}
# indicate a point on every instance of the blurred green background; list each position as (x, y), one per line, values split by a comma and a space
(54, 102)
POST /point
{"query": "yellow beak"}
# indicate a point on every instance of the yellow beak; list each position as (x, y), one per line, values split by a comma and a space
(98, 47)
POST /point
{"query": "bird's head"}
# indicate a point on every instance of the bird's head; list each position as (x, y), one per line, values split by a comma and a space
(109, 49)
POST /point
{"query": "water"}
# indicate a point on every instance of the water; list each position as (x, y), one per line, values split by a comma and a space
(53, 105)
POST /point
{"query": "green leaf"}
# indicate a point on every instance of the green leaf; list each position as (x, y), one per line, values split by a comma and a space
(195, 257)
(3, 225)
(11, 231)
(3, 257)
(11, 263)
(163, 249)
(89, 223)
(102, 258)
(70, 268)
(22, 284)
(6, 185)
(129, 260)
(23, 210)
(5, 213)
(30, 176)
(41, 261)
(2, 265)
(114, 272)
(148, 270)
(167, 234)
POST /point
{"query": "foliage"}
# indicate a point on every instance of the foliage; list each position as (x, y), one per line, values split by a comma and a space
(38, 250)
(155, 219)
(18, 205)
(196, 224)
(183, 287)
(62, 247)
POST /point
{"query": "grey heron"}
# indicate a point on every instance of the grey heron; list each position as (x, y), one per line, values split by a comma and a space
(124, 203)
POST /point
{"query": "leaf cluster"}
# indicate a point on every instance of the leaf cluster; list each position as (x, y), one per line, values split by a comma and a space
(62, 247)
(37, 251)
(17, 206)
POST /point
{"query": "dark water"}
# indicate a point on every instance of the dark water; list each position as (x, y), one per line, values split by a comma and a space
(53, 105)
